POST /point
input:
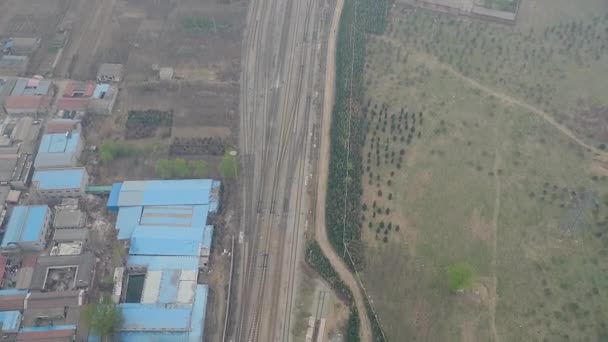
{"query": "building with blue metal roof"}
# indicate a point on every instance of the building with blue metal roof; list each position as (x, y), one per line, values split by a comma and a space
(59, 150)
(27, 228)
(166, 192)
(166, 203)
(10, 321)
(170, 241)
(59, 183)
(163, 262)
(160, 322)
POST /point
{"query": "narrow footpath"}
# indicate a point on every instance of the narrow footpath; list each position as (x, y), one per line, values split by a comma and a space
(365, 331)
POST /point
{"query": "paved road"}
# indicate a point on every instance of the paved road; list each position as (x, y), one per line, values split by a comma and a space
(281, 54)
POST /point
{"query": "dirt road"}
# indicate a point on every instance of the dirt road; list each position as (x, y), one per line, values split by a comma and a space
(322, 172)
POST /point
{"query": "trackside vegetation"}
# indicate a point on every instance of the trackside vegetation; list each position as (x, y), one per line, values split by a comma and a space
(359, 18)
(315, 258)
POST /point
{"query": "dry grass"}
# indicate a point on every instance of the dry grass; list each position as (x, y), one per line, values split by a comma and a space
(444, 198)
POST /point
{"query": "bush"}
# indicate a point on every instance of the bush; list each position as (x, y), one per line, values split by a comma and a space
(110, 150)
(180, 168)
(228, 166)
(103, 319)
(460, 276)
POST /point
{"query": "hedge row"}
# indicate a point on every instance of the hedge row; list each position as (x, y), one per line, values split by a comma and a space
(359, 18)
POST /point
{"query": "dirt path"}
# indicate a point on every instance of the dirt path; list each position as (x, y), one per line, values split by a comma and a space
(513, 101)
(365, 331)
(431, 60)
(493, 297)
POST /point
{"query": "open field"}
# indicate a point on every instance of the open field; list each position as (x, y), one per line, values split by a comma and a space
(469, 160)
(558, 68)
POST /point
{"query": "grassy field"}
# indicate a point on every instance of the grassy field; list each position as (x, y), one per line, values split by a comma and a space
(559, 68)
(468, 165)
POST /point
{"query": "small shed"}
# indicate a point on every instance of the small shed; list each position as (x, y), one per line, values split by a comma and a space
(165, 74)
(110, 73)
(68, 218)
(13, 196)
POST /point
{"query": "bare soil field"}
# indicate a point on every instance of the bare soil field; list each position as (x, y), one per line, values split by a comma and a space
(470, 158)
(200, 40)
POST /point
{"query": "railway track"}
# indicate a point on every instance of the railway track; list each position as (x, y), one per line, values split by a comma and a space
(276, 101)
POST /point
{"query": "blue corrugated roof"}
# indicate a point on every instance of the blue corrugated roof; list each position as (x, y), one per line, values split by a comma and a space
(12, 292)
(169, 192)
(161, 262)
(168, 286)
(214, 196)
(155, 317)
(11, 320)
(99, 89)
(127, 220)
(57, 179)
(113, 198)
(154, 322)
(175, 216)
(154, 240)
(48, 328)
(58, 150)
(154, 336)
(25, 224)
(199, 310)
(207, 237)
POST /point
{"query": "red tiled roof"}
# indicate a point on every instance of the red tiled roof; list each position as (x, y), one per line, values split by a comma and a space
(73, 103)
(89, 89)
(22, 102)
(3, 260)
(8, 303)
(45, 335)
(60, 126)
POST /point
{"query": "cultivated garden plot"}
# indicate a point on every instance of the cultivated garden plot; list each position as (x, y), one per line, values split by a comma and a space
(484, 209)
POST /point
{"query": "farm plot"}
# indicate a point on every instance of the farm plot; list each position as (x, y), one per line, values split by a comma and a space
(456, 172)
(145, 124)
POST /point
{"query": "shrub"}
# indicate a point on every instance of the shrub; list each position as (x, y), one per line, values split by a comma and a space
(460, 276)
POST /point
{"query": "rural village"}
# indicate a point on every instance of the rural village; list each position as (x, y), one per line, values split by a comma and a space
(303, 170)
(85, 235)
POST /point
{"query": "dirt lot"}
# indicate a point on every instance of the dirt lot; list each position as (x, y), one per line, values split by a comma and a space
(200, 40)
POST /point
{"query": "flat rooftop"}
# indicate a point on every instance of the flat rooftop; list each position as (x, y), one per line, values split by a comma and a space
(164, 193)
(154, 240)
(157, 322)
(58, 149)
(31, 87)
(25, 224)
(58, 179)
(83, 266)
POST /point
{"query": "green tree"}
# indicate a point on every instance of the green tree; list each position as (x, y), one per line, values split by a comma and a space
(199, 168)
(180, 168)
(228, 165)
(104, 319)
(164, 169)
(460, 276)
(110, 150)
(106, 157)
